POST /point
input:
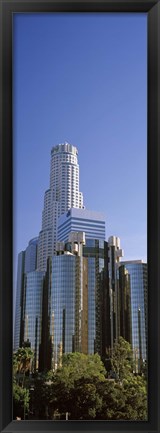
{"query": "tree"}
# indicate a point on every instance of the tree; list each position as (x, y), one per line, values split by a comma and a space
(125, 400)
(81, 388)
(40, 396)
(21, 364)
(135, 396)
(77, 365)
(73, 386)
(20, 401)
(121, 359)
(112, 399)
(22, 361)
(87, 397)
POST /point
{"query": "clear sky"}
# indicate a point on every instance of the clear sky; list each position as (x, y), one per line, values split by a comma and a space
(82, 78)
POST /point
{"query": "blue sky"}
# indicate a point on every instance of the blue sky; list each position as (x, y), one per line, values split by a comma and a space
(82, 78)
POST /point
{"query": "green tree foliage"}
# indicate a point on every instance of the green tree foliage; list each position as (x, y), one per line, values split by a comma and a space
(22, 359)
(77, 365)
(81, 388)
(20, 401)
(121, 359)
(42, 396)
(135, 396)
(21, 365)
(124, 401)
(88, 399)
(76, 381)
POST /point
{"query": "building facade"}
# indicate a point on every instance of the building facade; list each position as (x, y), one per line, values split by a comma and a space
(19, 300)
(115, 253)
(92, 223)
(68, 302)
(124, 304)
(62, 195)
(96, 252)
(27, 262)
(73, 292)
(32, 314)
(77, 300)
(31, 256)
(138, 280)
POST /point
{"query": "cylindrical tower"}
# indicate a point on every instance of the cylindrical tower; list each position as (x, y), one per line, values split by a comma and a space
(62, 195)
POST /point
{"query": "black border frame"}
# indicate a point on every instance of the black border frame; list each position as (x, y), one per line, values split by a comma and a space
(7, 8)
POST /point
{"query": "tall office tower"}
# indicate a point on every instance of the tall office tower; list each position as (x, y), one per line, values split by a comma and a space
(76, 293)
(31, 255)
(32, 314)
(138, 280)
(115, 253)
(27, 262)
(62, 195)
(92, 223)
(96, 252)
(69, 299)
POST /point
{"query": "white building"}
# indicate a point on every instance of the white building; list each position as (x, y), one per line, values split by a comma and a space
(62, 195)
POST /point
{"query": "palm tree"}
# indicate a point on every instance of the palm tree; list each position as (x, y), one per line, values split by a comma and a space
(22, 361)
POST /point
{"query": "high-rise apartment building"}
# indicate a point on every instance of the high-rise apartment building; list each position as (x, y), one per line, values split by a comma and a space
(92, 223)
(62, 195)
(138, 280)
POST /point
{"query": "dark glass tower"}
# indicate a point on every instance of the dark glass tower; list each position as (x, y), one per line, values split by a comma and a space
(96, 252)
(125, 320)
(76, 299)
(138, 280)
(115, 253)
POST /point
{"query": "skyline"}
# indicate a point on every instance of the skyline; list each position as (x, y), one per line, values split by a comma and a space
(53, 114)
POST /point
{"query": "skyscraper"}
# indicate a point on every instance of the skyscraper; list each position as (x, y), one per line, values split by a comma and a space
(31, 256)
(96, 252)
(72, 295)
(32, 314)
(62, 195)
(64, 304)
(138, 280)
(27, 262)
(78, 300)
